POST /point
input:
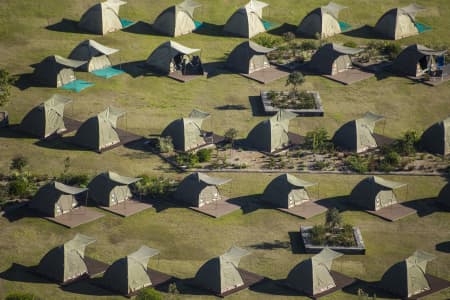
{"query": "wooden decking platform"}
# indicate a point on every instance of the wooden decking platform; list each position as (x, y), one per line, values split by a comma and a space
(127, 208)
(350, 76)
(77, 217)
(306, 210)
(178, 76)
(217, 209)
(393, 212)
(267, 75)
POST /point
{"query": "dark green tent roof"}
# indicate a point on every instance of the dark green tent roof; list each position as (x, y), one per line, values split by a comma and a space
(241, 56)
(129, 274)
(46, 118)
(102, 18)
(357, 135)
(177, 19)
(312, 276)
(406, 61)
(278, 190)
(322, 20)
(247, 21)
(407, 278)
(101, 186)
(162, 56)
(66, 262)
(322, 61)
(398, 23)
(436, 139)
(220, 274)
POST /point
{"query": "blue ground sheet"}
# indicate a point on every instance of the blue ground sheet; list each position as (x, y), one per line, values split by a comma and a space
(268, 25)
(422, 27)
(198, 24)
(126, 23)
(77, 85)
(107, 72)
(344, 26)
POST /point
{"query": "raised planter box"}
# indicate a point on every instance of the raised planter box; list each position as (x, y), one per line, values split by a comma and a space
(271, 110)
(360, 248)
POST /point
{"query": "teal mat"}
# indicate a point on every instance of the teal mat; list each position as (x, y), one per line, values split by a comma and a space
(422, 27)
(198, 24)
(268, 25)
(77, 85)
(344, 26)
(107, 72)
(126, 23)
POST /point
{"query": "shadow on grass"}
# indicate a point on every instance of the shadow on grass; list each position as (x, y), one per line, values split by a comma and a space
(424, 207)
(136, 69)
(273, 287)
(296, 242)
(271, 245)
(231, 107)
(26, 81)
(210, 29)
(18, 213)
(65, 25)
(249, 203)
(285, 27)
(21, 273)
(185, 287)
(214, 69)
(364, 32)
(87, 287)
(443, 247)
(341, 203)
(64, 143)
(369, 288)
(256, 105)
(141, 27)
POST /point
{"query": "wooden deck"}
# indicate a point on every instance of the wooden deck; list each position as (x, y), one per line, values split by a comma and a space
(393, 212)
(350, 76)
(77, 217)
(306, 210)
(217, 209)
(267, 75)
(127, 208)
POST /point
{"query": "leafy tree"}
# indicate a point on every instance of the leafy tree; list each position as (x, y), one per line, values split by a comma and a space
(333, 219)
(155, 187)
(165, 144)
(6, 80)
(318, 140)
(204, 155)
(295, 79)
(288, 36)
(408, 143)
(358, 164)
(231, 135)
(149, 294)
(18, 163)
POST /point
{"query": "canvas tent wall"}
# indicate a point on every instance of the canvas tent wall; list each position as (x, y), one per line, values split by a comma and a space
(287, 191)
(94, 53)
(55, 199)
(374, 193)
(332, 59)
(102, 18)
(322, 21)
(313, 276)
(407, 278)
(399, 23)
(271, 135)
(66, 262)
(163, 58)
(110, 188)
(56, 71)
(99, 132)
(199, 189)
(436, 139)
(357, 135)
(247, 21)
(248, 57)
(178, 19)
(47, 118)
(129, 274)
(415, 60)
(221, 274)
(186, 133)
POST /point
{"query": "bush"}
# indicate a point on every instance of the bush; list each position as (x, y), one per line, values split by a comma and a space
(204, 155)
(6, 80)
(22, 296)
(333, 219)
(155, 187)
(408, 143)
(357, 164)
(149, 294)
(22, 186)
(350, 44)
(318, 141)
(318, 235)
(165, 144)
(309, 45)
(267, 41)
(189, 160)
(288, 36)
(81, 180)
(390, 162)
(391, 50)
(19, 163)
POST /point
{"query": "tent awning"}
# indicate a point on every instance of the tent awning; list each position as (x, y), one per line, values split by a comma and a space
(71, 63)
(295, 181)
(387, 183)
(182, 49)
(211, 180)
(258, 48)
(333, 9)
(143, 254)
(122, 179)
(346, 50)
(71, 190)
(427, 51)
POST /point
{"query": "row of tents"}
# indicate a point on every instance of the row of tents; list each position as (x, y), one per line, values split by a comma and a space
(247, 21)
(221, 275)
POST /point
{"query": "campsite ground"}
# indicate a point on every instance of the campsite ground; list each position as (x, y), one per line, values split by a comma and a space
(185, 238)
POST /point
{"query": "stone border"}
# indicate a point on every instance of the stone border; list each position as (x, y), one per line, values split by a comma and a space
(309, 248)
(270, 110)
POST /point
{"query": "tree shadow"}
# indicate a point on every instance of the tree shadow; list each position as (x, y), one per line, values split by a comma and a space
(87, 287)
(210, 29)
(276, 244)
(285, 27)
(20, 273)
(249, 203)
(424, 207)
(65, 25)
(274, 287)
(141, 27)
(297, 246)
(256, 105)
(363, 32)
(367, 287)
(443, 247)
(231, 107)
(214, 69)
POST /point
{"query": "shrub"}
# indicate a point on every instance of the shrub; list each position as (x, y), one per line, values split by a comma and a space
(22, 296)
(350, 44)
(309, 45)
(231, 134)
(155, 187)
(165, 144)
(391, 50)
(81, 180)
(318, 140)
(204, 155)
(408, 143)
(390, 162)
(187, 159)
(295, 79)
(318, 235)
(357, 164)
(6, 80)
(22, 186)
(149, 294)
(333, 219)
(267, 41)
(288, 36)
(19, 163)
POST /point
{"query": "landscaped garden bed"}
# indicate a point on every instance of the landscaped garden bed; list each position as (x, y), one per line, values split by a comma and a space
(305, 103)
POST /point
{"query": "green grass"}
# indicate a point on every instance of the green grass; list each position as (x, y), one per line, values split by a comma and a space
(186, 239)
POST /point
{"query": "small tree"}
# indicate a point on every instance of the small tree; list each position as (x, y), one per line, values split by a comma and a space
(6, 80)
(231, 135)
(295, 79)
(18, 163)
(149, 294)
(173, 292)
(288, 36)
(318, 140)
(333, 219)
(165, 144)
(407, 144)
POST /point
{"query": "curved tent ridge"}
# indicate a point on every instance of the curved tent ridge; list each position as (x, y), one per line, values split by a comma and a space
(91, 44)
(188, 6)
(181, 49)
(71, 190)
(333, 9)
(143, 254)
(411, 10)
(56, 103)
(258, 48)
(121, 179)
(209, 180)
(283, 115)
(71, 63)
(114, 5)
(428, 51)
(386, 183)
(297, 182)
(111, 115)
(79, 243)
(345, 50)
(256, 7)
(369, 120)
(234, 255)
(326, 256)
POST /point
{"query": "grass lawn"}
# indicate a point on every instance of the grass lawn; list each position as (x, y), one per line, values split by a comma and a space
(185, 238)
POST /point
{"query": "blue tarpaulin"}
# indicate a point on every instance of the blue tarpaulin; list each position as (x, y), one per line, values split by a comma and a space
(77, 85)
(344, 26)
(198, 24)
(126, 23)
(268, 25)
(422, 27)
(107, 72)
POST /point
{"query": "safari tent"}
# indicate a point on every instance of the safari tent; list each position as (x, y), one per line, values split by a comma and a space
(248, 57)
(287, 191)
(186, 133)
(171, 56)
(55, 199)
(313, 276)
(129, 274)
(99, 132)
(66, 262)
(96, 55)
(398, 23)
(56, 71)
(436, 139)
(109, 188)
(272, 134)
(407, 278)
(323, 21)
(374, 193)
(247, 21)
(47, 118)
(199, 189)
(102, 18)
(357, 135)
(416, 60)
(332, 59)
(221, 274)
(178, 19)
